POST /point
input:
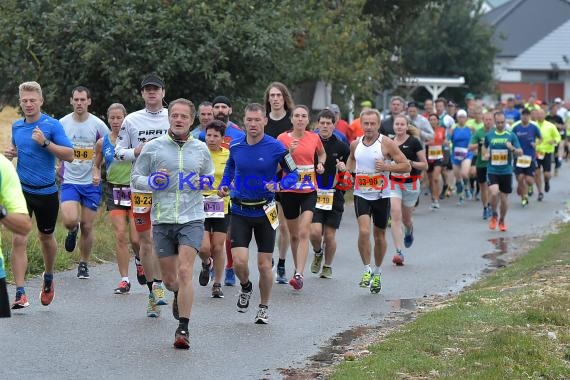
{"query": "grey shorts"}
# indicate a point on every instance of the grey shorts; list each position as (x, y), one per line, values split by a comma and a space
(407, 192)
(167, 237)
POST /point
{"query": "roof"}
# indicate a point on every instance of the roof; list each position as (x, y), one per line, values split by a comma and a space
(496, 3)
(516, 27)
(550, 53)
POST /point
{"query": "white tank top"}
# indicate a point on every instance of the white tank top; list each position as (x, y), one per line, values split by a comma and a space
(369, 183)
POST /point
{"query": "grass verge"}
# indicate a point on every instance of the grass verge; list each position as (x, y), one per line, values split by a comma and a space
(514, 324)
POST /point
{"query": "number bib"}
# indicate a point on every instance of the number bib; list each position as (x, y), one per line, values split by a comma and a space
(214, 207)
(142, 202)
(82, 152)
(499, 157)
(524, 161)
(540, 155)
(271, 213)
(370, 182)
(460, 154)
(122, 196)
(325, 199)
(306, 177)
(435, 152)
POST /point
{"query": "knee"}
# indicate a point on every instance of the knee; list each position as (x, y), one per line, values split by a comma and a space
(45, 238)
(170, 282)
(264, 266)
(185, 274)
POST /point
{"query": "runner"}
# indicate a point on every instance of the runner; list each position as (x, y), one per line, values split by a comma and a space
(138, 128)
(279, 104)
(330, 196)
(461, 156)
(80, 191)
(299, 199)
(477, 143)
(544, 152)
(205, 115)
(252, 161)
(371, 159)
(37, 140)
(405, 190)
(118, 197)
(528, 135)
(217, 217)
(13, 216)
(436, 159)
(501, 145)
(178, 210)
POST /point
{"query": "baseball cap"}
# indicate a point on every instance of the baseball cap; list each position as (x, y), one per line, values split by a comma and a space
(558, 100)
(334, 107)
(413, 104)
(469, 96)
(451, 103)
(152, 79)
(222, 99)
(461, 113)
(366, 103)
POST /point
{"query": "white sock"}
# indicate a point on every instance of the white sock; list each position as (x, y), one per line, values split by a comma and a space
(125, 279)
(367, 268)
(377, 270)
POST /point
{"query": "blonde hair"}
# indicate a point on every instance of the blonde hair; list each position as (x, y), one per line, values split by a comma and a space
(117, 106)
(412, 130)
(30, 86)
(372, 111)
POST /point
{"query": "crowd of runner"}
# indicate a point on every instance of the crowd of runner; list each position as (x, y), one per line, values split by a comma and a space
(175, 191)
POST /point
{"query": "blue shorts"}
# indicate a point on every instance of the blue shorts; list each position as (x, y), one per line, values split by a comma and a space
(88, 195)
(458, 162)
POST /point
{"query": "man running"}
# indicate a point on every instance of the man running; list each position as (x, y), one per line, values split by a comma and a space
(545, 152)
(477, 144)
(80, 191)
(37, 140)
(205, 115)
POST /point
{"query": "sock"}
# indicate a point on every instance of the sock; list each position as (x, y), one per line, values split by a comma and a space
(20, 290)
(367, 268)
(230, 260)
(459, 187)
(319, 252)
(399, 251)
(149, 284)
(281, 263)
(466, 184)
(377, 270)
(263, 306)
(247, 287)
(183, 323)
(138, 260)
(158, 282)
(48, 277)
(125, 279)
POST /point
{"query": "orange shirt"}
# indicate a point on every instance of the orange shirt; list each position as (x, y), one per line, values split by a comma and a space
(304, 157)
(354, 130)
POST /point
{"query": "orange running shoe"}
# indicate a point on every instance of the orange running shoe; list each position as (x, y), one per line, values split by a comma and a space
(20, 302)
(502, 227)
(47, 293)
(493, 223)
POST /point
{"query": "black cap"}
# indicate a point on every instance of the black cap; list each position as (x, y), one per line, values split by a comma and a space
(222, 99)
(451, 103)
(525, 111)
(413, 104)
(152, 79)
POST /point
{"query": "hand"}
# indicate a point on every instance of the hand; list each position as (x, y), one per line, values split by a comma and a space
(96, 180)
(340, 166)
(293, 146)
(10, 153)
(320, 168)
(138, 149)
(272, 186)
(159, 180)
(38, 136)
(382, 166)
(223, 192)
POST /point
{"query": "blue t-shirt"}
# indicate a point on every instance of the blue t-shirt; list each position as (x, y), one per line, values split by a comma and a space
(232, 132)
(36, 165)
(501, 158)
(527, 135)
(513, 114)
(250, 167)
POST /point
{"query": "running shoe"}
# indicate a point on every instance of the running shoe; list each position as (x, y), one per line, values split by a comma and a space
(204, 277)
(468, 195)
(489, 212)
(530, 190)
(71, 239)
(546, 186)
(123, 288)
(230, 279)
(408, 236)
(296, 281)
(261, 318)
(434, 205)
(281, 277)
(376, 284)
(398, 259)
(20, 302)
(443, 193)
(83, 271)
(175, 312)
(524, 202)
(365, 280)
(485, 213)
(159, 292)
(152, 310)
(217, 291)
(243, 299)
(540, 197)
(48, 291)
(317, 261)
(181, 339)
(502, 227)
(493, 223)
(460, 201)
(141, 278)
(326, 272)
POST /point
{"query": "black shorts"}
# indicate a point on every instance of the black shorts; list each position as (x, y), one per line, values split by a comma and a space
(242, 228)
(329, 218)
(447, 159)
(46, 208)
(217, 224)
(546, 163)
(122, 194)
(378, 209)
(433, 164)
(505, 182)
(294, 204)
(526, 171)
(482, 175)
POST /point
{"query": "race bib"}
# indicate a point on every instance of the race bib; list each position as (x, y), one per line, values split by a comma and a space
(214, 207)
(459, 154)
(83, 154)
(524, 161)
(540, 155)
(306, 177)
(271, 213)
(370, 182)
(142, 202)
(499, 157)
(122, 196)
(435, 152)
(325, 199)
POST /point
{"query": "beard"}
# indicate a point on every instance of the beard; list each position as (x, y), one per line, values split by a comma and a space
(222, 117)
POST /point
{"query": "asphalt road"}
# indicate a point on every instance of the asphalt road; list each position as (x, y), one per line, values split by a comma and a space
(88, 332)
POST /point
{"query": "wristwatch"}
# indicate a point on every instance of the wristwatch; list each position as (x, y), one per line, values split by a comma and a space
(3, 212)
(46, 143)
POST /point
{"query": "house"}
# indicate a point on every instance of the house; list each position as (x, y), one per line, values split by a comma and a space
(520, 25)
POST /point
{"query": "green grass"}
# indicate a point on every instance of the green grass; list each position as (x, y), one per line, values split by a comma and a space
(497, 329)
(103, 247)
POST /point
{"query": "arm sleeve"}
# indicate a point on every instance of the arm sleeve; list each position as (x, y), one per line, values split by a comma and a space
(124, 150)
(556, 135)
(142, 169)
(102, 129)
(208, 169)
(229, 171)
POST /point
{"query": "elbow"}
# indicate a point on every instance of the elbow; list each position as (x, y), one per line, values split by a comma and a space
(68, 155)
